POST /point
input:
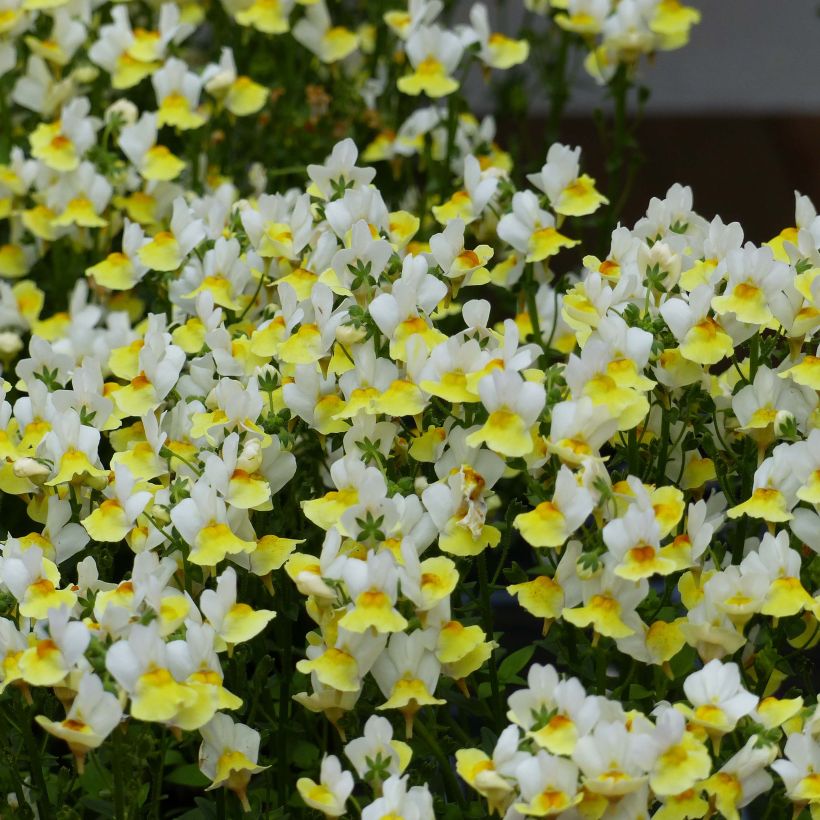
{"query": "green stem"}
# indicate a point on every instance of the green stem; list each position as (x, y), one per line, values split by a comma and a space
(35, 762)
(284, 693)
(754, 356)
(167, 452)
(446, 768)
(256, 293)
(621, 158)
(559, 89)
(600, 671)
(282, 172)
(452, 122)
(660, 471)
(116, 765)
(158, 775)
(747, 468)
(530, 288)
(487, 624)
(632, 451)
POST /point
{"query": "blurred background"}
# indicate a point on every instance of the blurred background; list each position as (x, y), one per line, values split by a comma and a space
(735, 114)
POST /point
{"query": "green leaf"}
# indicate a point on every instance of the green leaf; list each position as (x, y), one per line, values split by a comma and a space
(514, 663)
(188, 775)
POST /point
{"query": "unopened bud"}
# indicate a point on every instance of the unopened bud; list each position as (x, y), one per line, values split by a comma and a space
(124, 109)
(85, 74)
(160, 514)
(10, 343)
(784, 423)
(250, 459)
(309, 583)
(220, 82)
(349, 335)
(32, 469)
(588, 566)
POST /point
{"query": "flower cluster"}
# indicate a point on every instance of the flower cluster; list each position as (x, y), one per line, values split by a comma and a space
(618, 33)
(387, 413)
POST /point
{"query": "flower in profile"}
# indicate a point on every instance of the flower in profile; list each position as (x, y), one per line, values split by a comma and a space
(117, 515)
(469, 203)
(57, 649)
(531, 230)
(232, 622)
(330, 794)
(491, 776)
(316, 32)
(139, 143)
(496, 50)
(92, 716)
(166, 250)
(238, 93)
(570, 193)
(742, 778)
(798, 769)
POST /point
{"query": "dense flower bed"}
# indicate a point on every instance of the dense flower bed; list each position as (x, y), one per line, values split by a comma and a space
(356, 482)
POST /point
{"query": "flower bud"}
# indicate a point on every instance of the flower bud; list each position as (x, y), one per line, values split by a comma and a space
(32, 469)
(85, 74)
(785, 423)
(160, 514)
(349, 335)
(250, 459)
(124, 109)
(10, 343)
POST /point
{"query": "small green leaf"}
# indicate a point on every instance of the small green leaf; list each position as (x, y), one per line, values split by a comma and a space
(514, 663)
(188, 775)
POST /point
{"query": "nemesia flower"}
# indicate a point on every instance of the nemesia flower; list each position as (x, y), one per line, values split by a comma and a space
(376, 753)
(496, 50)
(508, 429)
(414, 802)
(177, 90)
(434, 53)
(718, 698)
(569, 192)
(93, 715)
(228, 755)
(552, 522)
(239, 93)
(329, 43)
(531, 230)
(232, 622)
(330, 794)
(259, 455)
(741, 779)
(407, 674)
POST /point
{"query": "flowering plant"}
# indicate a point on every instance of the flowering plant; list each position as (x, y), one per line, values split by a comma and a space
(359, 490)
